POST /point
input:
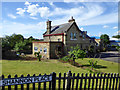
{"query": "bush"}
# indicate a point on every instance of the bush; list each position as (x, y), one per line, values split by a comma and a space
(37, 54)
(92, 63)
(65, 58)
(118, 47)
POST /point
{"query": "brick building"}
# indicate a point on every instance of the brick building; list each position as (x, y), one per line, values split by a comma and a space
(62, 37)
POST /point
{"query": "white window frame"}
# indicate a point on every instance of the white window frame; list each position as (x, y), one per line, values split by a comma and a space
(45, 50)
(41, 50)
(35, 49)
(72, 36)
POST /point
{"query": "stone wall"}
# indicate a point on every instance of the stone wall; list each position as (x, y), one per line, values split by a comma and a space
(50, 46)
(53, 38)
(41, 48)
(82, 43)
(53, 47)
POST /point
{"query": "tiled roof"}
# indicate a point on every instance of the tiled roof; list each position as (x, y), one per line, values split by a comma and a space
(60, 28)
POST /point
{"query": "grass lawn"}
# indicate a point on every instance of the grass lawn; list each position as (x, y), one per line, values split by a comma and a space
(20, 67)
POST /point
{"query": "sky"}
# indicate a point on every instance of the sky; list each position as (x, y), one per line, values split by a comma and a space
(29, 18)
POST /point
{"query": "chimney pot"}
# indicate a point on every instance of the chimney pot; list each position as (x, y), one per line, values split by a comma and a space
(71, 20)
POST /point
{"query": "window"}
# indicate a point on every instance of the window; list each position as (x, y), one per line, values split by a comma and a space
(45, 50)
(90, 40)
(80, 34)
(40, 50)
(81, 46)
(71, 35)
(83, 37)
(59, 40)
(35, 49)
(74, 35)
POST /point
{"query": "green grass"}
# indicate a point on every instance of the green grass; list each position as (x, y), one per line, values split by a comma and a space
(20, 67)
(103, 66)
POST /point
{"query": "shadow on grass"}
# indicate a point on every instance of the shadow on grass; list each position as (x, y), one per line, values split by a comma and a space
(97, 66)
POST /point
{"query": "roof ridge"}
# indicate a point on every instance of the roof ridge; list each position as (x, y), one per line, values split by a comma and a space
(62, 24)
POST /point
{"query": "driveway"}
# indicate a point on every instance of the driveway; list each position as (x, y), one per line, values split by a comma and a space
(112, 56)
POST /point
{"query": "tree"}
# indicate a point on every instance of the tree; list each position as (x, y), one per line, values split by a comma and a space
(76, 53)
(117, 36)
(19, 46)
(104, 40)
(10, 41)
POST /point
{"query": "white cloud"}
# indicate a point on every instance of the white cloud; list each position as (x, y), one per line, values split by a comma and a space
(115, 27)
(51, 3)
(86, 14)
(68, 1)
(34, 18)
(12, 16)
(105, 26)
(35, 30)
(27, 3)
(100, 20)
(44, 11)
(81, 28)
(32, 9)
(20, 11)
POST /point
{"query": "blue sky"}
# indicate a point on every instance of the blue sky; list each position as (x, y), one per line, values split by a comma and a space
(29, 18)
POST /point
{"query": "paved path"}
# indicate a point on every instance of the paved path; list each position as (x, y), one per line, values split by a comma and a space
(113, 56)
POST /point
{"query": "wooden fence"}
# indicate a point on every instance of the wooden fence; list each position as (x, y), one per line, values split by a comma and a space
(68, 81)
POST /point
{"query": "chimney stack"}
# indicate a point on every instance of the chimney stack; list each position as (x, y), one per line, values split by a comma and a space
(71, 20)
(48, 26)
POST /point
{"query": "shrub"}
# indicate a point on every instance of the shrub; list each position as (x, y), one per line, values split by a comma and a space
(37, 54)
(118, 47)
(92, 63)
(65, 58)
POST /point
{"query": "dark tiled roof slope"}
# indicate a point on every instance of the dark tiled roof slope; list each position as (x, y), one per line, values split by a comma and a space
(60, 28)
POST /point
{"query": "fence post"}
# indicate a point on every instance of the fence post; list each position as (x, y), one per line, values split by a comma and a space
(69, 80)
(53, 80)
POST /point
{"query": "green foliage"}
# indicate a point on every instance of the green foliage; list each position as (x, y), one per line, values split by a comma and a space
(104, 49)
(118, 47)
(20, 46)
(17, 42)
(9, 42)
(65, 58)
(104, 39)
(93, 63)
(91, 49)
(77, 53)
(117, 36)
(37, 54)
